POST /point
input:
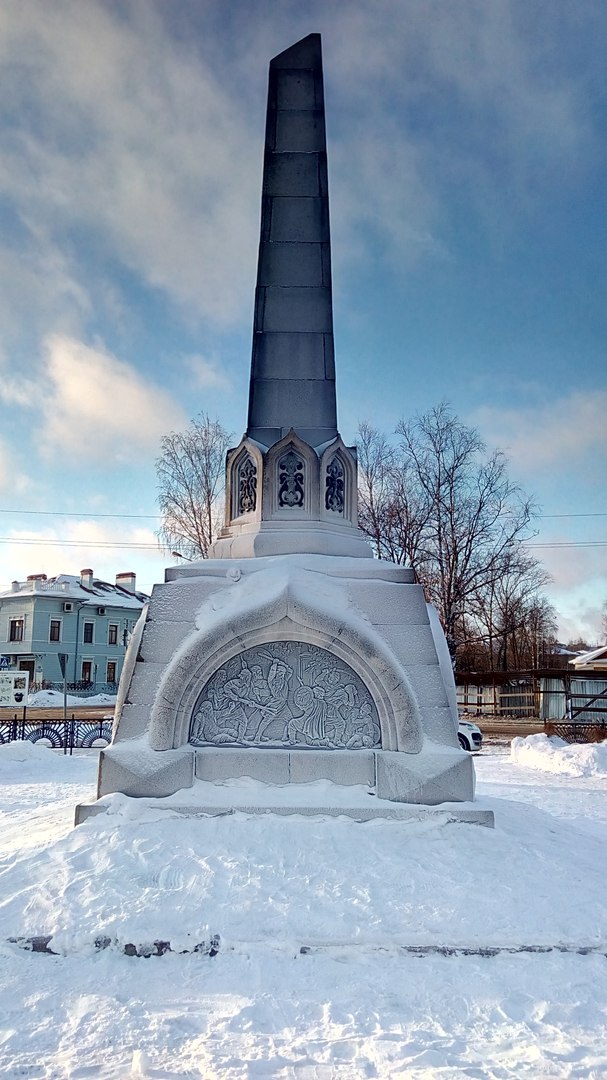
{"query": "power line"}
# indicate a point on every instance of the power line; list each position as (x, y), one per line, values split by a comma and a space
(158, 517)
(569, 544)
(156, 547)
(65, 513)
(77, 543)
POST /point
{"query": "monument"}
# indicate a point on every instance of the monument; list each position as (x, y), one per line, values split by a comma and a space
(291, 654)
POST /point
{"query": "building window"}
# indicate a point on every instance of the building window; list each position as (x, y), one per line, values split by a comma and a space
(110, 674)
(55, 630)
(15, 629)
(87, 671)
(112, 636)
(87, 636)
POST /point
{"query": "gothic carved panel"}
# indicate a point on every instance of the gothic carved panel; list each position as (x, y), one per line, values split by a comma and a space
(334, 486)
(247, 486)
(286, 694)
(291, 480)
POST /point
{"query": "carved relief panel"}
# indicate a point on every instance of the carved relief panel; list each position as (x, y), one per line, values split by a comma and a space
(247, 486)
(291, 473)
(334, 486)
(286, 694)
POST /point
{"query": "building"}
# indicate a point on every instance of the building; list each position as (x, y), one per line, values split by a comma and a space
(595, 660)
(87, 620)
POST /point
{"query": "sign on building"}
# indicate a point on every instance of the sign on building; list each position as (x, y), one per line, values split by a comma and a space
(13, 688)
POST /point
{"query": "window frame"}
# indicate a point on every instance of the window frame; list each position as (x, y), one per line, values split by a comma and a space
(16, 620)
(113, 626)
(85, 640)
(55, 620)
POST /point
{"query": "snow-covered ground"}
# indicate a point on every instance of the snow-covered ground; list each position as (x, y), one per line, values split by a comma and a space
(54, 699)
(356, 1003)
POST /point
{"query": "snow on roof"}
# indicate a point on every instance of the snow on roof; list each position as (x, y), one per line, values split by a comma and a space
(591, 659)
(70, 587)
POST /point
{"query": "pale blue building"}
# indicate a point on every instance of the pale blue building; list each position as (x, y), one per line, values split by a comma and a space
(87, 620)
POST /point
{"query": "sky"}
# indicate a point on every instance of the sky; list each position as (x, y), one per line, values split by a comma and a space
(467, 158)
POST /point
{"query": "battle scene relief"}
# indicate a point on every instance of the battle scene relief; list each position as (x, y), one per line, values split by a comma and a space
(286, 694)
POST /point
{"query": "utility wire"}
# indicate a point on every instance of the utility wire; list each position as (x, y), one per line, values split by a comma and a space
(568, 544)
(65, 513)
(78, 543)
(158, 517)
(157, 547)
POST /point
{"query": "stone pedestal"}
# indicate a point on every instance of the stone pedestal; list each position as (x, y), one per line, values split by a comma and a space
(288, 670)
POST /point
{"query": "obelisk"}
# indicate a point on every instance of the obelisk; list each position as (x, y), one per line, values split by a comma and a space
(292, 370)
(291, 655)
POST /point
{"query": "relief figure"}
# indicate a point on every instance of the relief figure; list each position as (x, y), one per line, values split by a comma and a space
(286, 694)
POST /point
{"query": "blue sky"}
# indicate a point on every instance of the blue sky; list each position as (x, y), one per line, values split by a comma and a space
(468, 211)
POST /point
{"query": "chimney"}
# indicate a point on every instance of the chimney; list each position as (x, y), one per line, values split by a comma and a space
(126, 581)
(36, 580)
(86, 579)
(15, 586)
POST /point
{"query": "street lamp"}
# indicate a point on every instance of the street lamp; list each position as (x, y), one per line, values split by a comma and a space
(178, 555)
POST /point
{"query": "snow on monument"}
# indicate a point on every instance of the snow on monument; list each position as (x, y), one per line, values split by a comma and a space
(290, 655)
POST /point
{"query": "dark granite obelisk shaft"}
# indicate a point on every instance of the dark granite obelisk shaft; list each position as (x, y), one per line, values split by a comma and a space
(292, 368)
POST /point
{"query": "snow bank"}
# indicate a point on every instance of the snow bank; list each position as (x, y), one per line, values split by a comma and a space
(551, 754)
(142, 873)
(53, 699)
(269, 885)
(13, 754)
(22, 761)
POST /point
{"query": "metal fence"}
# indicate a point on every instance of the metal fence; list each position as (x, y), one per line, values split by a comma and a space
(67, 735)
(81, 687)
(572, 698)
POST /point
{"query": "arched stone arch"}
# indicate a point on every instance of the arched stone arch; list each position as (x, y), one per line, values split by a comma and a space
(288, 615)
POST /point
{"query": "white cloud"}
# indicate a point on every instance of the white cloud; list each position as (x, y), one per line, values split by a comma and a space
(205, 373)
(551, 433)
(131, 136)
(13, 480)
(145, 141)
(70, 545)
(581, 612)
(100, 408)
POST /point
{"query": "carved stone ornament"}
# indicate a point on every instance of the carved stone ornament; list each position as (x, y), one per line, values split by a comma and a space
(334, 488)
(286, 694)
(247, 486)
(291, 480)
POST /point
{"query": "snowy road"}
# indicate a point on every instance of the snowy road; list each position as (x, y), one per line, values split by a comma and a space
(270, 885)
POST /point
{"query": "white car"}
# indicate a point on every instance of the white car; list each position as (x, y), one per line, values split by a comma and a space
(470, 736)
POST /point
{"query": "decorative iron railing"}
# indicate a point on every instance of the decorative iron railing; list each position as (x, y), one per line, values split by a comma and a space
(67, 735)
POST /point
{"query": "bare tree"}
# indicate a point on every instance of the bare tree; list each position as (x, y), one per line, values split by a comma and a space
(517, 622)
(441, 503)
(190, 475)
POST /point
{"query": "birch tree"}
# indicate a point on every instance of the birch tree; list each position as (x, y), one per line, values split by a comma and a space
(190, 475)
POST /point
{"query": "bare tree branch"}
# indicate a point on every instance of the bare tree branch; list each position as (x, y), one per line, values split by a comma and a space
(190, 475)
(441, 503)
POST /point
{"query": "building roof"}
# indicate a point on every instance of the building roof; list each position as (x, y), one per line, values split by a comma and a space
(71, 587)
(593, 659)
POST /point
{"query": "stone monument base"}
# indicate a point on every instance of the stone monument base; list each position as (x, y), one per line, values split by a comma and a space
(313, 799)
